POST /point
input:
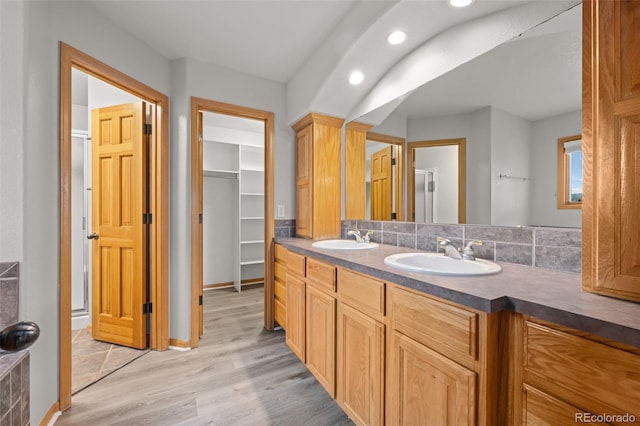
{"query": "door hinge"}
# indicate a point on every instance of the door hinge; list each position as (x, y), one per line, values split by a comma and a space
(393, 216)
(393, 161)
(200, 218)
(147, 308)
(200, 300)
(147, 219)
(147, 129)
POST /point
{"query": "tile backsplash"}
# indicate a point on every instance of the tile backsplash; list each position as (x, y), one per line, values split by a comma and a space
(542, 247)
(9, 282)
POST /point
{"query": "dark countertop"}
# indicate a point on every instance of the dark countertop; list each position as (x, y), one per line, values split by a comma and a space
(545, 294)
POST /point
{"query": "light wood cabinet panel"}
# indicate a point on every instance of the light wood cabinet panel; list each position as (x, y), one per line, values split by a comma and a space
(541, 409)
(296, 329)
(321, 275)
(280, 285)
(318, 176)
(360, 366)
(584, 373)
(426, 388)
(611, 158)
(321, 338)
(362, 292)
(450, 330)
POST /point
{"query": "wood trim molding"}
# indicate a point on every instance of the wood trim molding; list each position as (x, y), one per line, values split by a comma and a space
(198, 105)
(462, 174)
(563, 175)
(159, 320)
(50, 414)
(316, 118)
(177, 343)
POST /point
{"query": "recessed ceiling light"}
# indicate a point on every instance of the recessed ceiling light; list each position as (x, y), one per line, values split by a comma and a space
(396, 37)
(356, 77)
(460, 3)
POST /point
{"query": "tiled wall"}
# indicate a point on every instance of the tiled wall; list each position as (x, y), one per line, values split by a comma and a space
(9, 272)
(285, 227)
(14, 367)
(550, 248)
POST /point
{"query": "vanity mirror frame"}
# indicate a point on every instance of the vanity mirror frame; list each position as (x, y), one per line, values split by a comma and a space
(356, 136)
(461, 143)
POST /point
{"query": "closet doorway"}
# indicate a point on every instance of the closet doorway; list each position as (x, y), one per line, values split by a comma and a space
(232, 202)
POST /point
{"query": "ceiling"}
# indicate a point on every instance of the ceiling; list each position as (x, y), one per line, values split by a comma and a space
(319, 41)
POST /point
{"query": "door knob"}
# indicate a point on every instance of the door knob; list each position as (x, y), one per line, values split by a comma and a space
(93, 236)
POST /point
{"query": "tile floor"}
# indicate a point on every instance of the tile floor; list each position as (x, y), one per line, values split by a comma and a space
(92, 360)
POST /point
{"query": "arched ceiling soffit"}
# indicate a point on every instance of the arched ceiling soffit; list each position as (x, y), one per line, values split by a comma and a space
(440, 38)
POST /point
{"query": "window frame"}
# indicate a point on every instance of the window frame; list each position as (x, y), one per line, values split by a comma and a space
(563, 175)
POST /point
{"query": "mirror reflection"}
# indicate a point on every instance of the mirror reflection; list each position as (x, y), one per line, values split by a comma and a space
(511, 106)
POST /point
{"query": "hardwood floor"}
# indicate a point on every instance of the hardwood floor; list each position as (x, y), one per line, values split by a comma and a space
(240, 375)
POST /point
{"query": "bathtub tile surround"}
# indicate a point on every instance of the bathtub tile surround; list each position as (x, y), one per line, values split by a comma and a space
(9, 272)
(14, 367)
(549, 248)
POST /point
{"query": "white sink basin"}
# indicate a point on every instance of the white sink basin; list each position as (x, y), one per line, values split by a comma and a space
(343, 245)
(439, 264)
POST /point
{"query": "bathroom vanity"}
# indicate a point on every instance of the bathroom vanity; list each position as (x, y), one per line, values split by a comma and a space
(525, 346)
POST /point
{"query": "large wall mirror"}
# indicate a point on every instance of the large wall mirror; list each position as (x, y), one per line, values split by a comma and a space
(510, 106)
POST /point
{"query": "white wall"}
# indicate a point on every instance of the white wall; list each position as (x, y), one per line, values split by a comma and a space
(545, 135)
(510, 155)
(476, 128)
(29, 176)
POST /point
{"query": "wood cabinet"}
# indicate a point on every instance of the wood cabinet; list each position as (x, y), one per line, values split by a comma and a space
(563, 375)
(361, 347)
(426, 388)
(611, 134)
(296, 304)
(280, 285)
(318, 176)
(321, 323)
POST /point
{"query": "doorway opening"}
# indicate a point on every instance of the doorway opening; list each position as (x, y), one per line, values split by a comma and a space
(156, 234)
(436, 181)
(232, 196)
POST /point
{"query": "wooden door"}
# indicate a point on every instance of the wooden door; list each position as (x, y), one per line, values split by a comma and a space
(611, 148)
(118, 203)
(321, 338)
(381, 184)
(295, 336)
(426, 388)
(304, 200)
(361, 366)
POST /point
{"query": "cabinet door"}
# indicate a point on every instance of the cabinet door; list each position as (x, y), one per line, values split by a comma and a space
(304, 200)
(611, 136)
(541, 409)
(425, 388)
(295, 335)
(360, 366)
(321, 338)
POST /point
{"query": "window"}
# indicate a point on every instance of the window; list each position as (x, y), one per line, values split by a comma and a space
(570, 172)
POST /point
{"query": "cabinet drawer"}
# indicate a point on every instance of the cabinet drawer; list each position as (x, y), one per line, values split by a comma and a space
(542, 409)
(321, 275)
(280, 253)
(362, 292)
(280, 291)
(448, 329)
(580, 370)
(280, 272)
(296, 263)
(280, 314)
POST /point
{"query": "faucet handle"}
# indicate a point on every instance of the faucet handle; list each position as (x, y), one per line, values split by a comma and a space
(472, 243)
(442, 241)
(367, 236)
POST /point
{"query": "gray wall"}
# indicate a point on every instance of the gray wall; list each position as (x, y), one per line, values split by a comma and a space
(29, 171)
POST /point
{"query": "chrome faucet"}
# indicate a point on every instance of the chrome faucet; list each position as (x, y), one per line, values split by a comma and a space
(359, 237)
(449, 249)
(468, 253)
